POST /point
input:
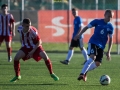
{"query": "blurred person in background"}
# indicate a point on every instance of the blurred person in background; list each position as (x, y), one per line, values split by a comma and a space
(78, 23)
(7, 29)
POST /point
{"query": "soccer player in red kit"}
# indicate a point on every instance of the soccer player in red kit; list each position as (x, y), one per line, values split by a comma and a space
(7, 29)
(31, 48)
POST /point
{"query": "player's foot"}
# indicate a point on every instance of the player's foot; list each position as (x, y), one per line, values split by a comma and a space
(83, 77)
(66, 62)
(84, 62)
(56, 78)
(15, 78)
(10, 59)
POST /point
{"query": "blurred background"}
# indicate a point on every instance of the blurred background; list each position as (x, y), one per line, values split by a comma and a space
(54, 20)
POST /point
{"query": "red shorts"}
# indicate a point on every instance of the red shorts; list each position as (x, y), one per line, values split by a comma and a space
(6, 38)
(36, 55)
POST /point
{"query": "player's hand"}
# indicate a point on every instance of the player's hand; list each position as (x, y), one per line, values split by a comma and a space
(30, 54)
(13, 34)
(108, 56)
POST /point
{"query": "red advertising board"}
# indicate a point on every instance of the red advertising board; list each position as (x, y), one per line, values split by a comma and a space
(57, 25)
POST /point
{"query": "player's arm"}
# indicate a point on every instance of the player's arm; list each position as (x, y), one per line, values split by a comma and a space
(37, 45)
(19, 30)
(20, 40)
(80, 25)
(109, 46)
(90, 25)
(34, 49)
(12, 25)
(81, 32)
(13, 28)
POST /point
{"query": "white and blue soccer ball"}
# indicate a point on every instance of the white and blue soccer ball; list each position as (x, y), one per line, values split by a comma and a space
(105, 80)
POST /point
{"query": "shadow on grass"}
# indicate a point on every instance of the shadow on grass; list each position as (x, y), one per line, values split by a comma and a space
(48, 84)
(13, 84)
(90, 85)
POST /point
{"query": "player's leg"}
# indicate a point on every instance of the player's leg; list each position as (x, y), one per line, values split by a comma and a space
(1, 39)
(69, 56)
(94, 65)
(20, 54)
(92, 51)
(70, 52)
(83, 50)
(48, 64)
(8, 40)
(98, 59)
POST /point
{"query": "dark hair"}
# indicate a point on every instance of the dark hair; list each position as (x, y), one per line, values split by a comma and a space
(108, 11)
(74, 9)
(4, 5)
(27, 21)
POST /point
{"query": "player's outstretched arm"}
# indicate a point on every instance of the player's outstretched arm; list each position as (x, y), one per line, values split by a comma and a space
(81, 32)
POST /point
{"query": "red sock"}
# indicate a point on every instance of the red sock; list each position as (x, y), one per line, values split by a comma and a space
(49, 65)
(17, 67)
(9, 50)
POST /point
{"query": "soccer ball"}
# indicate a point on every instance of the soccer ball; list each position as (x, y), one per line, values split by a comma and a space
(105, 80)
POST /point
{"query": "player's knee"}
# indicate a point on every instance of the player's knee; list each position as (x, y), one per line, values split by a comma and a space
(16, 58)
(44, 55)
(93, 57)
(97, 64)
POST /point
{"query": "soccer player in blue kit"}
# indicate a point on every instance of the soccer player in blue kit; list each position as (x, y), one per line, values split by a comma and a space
(103, 29)
(76, 43)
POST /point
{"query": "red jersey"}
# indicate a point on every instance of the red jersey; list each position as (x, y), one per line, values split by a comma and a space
(5, 24)
(30, 38)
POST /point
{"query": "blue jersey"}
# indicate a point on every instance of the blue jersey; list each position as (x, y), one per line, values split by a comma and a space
(101, 32)
(77, 24)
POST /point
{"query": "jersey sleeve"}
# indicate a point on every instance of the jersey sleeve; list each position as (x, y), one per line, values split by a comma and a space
(92, 23)
(19, 28)
(36, 36)
(12, 18)
(80, 22)
(111, 30)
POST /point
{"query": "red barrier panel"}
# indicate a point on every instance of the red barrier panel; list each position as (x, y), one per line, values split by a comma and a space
(53, 25)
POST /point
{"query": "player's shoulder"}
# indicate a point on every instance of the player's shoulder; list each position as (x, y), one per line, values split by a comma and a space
(78, 17)
(33, 28)
(19, 28)
(110, 25)
(9, 14)
(97, 19)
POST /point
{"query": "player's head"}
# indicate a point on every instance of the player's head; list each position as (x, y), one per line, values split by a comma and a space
(74, 12)
(4, 8)
(108, 15)
(26, 24)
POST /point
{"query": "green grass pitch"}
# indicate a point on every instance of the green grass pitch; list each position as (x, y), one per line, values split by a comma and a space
(35, 76)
